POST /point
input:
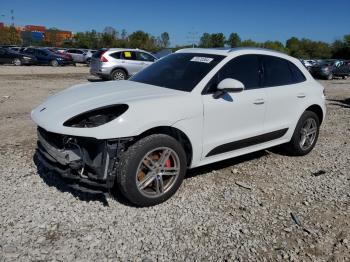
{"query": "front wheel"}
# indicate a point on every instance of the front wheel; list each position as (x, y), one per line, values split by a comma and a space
(17, 62)
(151, 170)
(54, 63)
(305, 134)
(330, 76)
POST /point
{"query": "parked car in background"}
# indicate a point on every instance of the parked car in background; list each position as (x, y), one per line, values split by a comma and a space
(88, 55)
(65, 55)
(46, 57)
(308, 63)
(79, 56)
(9, 56)
(119, 64)
(189, 109)
(15, 48)
(329, 68)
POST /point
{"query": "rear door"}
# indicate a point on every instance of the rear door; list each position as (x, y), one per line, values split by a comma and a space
(79, 54)
(42, 56)
(286, 93)
(74, 55)
(130, 62)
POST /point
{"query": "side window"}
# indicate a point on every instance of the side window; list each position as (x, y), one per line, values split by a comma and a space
(29, 51)
(2, 51)
(79, 52)
(116, 55)
(297, 75)
(42, 53)
(128, 55)
(144, 57)
(244, 68)
(276, 72)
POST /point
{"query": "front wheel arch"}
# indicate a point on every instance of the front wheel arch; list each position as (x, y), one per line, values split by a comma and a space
(176, 133)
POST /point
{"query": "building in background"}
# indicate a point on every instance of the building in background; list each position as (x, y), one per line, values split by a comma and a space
(40, 35)
(35, 28)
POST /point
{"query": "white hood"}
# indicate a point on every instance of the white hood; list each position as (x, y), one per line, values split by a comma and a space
(142, 99)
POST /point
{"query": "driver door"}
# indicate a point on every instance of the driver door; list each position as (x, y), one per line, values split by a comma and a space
(235, 120)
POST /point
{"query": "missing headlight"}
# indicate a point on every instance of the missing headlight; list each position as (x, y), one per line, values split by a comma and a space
(97, 117)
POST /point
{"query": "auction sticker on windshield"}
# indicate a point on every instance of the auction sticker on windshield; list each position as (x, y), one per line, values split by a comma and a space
(202, 59)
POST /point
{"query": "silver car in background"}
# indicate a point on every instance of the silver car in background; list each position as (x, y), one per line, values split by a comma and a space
(77, 55)
(119, 63)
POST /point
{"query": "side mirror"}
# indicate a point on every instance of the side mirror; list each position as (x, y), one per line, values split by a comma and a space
(228, 85)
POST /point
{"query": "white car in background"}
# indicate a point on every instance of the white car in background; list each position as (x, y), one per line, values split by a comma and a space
(119, 64)
(189, 109)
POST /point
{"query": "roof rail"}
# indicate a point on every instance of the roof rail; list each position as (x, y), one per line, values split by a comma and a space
(254, 48)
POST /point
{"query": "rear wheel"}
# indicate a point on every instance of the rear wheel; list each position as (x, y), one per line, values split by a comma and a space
(118, 74)
(54, 63)
(151, 170)
(305, 134)
(345, 77)
(330, 76)
(17, 62)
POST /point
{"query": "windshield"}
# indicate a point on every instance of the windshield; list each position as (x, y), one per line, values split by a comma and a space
(180, 71)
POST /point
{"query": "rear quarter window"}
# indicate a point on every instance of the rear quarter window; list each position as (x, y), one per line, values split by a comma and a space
(276, 72)
(115, 55)
(297, 75)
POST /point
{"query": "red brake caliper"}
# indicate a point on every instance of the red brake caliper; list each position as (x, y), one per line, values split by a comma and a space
(168, 163)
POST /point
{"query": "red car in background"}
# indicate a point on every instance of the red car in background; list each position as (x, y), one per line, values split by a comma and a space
(64, 55)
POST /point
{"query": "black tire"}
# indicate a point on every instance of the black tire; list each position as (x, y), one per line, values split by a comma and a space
(330, 76)
(54, 63)
(118, 74)
(294, 146)
(17, 62)
(132, 159)
(345, 77)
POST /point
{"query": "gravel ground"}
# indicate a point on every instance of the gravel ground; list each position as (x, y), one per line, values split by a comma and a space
(264, 206)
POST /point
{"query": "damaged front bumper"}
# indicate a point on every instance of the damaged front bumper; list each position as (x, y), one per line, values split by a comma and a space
(81, 158)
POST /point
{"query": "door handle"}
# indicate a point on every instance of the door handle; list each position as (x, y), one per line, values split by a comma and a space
(259, 101)
(301, 95)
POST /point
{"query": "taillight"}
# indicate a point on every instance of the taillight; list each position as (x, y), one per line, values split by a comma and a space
(103, 59)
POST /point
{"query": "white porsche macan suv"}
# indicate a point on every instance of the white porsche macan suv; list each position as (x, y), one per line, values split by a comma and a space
(191, 108)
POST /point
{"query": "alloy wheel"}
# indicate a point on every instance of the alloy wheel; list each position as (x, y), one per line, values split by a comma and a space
(118, 76)
(17, 62)
(308, 134)
(157, 172)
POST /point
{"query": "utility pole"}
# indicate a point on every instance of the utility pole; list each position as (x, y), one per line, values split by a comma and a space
(12, 18)
(192, 37)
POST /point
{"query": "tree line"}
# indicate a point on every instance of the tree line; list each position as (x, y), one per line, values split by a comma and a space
(300, 48)
(110, 37)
